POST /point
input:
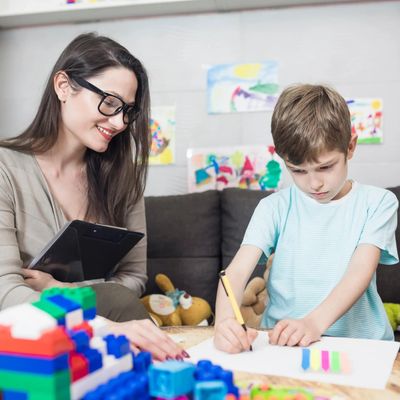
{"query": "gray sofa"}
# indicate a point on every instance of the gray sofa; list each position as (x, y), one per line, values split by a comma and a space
(192, 236)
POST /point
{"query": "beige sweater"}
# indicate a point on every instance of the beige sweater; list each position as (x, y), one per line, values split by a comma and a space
(29, 219)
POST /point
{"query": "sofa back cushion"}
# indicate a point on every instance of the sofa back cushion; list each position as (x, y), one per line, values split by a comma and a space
(184, 242)
(388, 276)
(237, 207)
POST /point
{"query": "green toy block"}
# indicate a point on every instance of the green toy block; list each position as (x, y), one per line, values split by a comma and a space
(84, 296)
(50, 308)
(63, 394)
(36, 383)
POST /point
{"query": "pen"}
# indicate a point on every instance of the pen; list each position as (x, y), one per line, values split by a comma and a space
(232, 300)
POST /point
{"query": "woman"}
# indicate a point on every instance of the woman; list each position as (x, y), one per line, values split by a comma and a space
(84, 156)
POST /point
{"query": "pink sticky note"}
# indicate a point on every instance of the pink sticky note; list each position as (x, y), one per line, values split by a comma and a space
(325, 360)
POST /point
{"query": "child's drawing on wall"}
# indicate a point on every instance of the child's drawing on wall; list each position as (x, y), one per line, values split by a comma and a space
(162, 130)
(242, 87)
(366, 119)
(247, 167)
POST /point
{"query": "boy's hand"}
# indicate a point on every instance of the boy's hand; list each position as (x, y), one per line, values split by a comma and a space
(292, 332)
(232, 338)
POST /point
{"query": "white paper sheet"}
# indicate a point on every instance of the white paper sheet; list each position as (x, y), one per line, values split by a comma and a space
(371, 361)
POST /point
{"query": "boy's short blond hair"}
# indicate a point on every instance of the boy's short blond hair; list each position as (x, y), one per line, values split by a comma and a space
(310, 119)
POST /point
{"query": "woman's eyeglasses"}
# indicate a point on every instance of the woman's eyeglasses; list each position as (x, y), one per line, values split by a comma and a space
(110, 104)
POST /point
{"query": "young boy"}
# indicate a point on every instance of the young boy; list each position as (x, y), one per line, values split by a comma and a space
(328, 234)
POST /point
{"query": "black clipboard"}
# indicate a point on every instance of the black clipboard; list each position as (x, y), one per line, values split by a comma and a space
(82, 251)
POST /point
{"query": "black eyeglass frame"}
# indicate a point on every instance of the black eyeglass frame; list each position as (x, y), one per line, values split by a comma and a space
(131, 111)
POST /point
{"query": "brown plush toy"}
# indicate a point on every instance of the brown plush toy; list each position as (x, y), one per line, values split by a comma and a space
(255, 298)
(176, 307)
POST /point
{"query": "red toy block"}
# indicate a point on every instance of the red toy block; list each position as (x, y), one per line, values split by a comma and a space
(52, 343)
(78, 365)
(84, 326)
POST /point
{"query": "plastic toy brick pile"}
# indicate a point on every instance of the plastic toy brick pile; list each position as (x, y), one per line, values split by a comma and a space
(58, 349)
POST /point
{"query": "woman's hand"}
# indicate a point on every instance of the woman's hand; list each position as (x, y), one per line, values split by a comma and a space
(146, 336)
(232, 338)
(292, 332)
(39, 280)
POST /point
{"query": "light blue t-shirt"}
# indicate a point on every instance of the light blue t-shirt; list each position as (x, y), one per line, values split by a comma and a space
(313, 244)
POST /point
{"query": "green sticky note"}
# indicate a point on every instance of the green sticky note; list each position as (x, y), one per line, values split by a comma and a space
(335, 361)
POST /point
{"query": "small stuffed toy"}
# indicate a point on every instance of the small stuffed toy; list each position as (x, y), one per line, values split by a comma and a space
(176, 307)
(393, 313)
(255, 298)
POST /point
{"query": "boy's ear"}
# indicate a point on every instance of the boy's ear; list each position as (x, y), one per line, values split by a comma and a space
(352, 146)
(62, 86)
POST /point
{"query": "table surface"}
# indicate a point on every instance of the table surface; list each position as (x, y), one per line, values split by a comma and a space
(194, 335)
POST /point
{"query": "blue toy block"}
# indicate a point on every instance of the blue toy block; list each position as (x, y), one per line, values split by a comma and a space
(126, 386)
(94, 358)
(33, 364)
(171, 379)
(63, 302)
(211, 390)
(81, 340)
(118, 346)
(204, 375)
(216, 370)
(99, 393)
(204, 364)
(12, 395)
(142, 362)
(135, 384)
(205, 371)
(227, 377)
(90, 313)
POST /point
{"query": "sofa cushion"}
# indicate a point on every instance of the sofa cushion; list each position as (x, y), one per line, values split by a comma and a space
(388, 276)
(184, 242)
(237, 207)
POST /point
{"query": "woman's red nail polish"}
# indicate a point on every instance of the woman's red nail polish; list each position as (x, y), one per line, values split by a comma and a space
(168, 358)
(179, 358)
(185, 354)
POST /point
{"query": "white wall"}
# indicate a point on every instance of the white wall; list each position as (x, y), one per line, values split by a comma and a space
(355, 48)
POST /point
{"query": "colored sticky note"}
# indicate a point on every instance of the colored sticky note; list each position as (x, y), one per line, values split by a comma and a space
(345, 363)
(315, 359)
(325, 360)
(335, 361)
(305, 360)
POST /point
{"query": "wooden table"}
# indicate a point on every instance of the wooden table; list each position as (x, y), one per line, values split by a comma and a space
(195, 335)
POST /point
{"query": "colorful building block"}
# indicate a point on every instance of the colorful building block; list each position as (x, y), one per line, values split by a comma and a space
(33, 364)
(52, 309)
(78, 365)
(52, 343)
(27, 321)
(142, 362)
(171, 379)
(85, 297)
(210, 390)
(69, 355)
(117, 345)
(267, 392)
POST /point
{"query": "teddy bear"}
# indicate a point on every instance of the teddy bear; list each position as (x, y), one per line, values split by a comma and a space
(393, 313)
(255, 298)
(176, 307)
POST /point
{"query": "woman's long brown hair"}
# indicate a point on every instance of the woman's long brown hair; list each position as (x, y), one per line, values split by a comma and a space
(117, 177)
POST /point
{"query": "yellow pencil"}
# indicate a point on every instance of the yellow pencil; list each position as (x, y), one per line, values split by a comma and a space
(231, 297)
